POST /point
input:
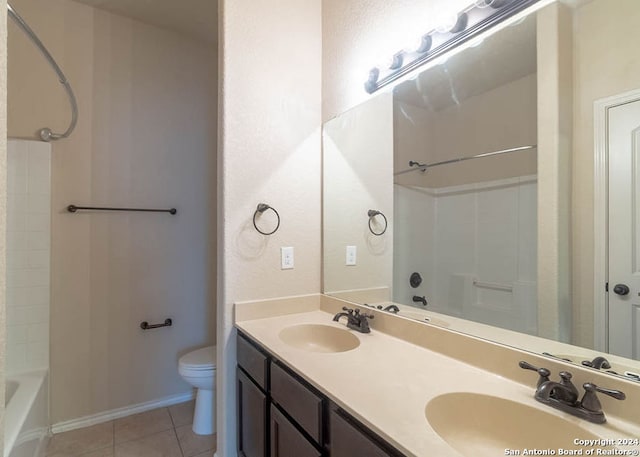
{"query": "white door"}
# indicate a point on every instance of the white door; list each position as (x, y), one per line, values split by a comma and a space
(624, 229)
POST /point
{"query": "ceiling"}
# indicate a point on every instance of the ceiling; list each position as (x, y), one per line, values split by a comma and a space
(195, 18)
(501, 58)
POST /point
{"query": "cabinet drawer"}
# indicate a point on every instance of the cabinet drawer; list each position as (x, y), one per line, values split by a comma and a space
(286, 440)
(252, 361)
(304, 406)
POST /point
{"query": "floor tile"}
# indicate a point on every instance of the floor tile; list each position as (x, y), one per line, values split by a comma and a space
(106, 452)
(193, 444)
(81, 441)
(182, 414)
(163, 444)
(141, 425)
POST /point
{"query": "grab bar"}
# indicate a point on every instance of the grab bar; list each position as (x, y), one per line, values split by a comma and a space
(74, 208)
(492, 285)
(146, 326)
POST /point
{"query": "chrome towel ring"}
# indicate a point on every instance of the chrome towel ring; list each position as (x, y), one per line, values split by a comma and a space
(373, 213)
(262, 207)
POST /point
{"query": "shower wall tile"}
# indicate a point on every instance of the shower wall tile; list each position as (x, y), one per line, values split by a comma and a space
(28, 255)
(497, 235)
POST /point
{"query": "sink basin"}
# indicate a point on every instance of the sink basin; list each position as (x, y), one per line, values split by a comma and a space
(486, 426)
(319, 338)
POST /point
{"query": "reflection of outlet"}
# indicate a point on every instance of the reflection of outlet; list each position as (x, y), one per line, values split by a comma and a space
(351, 255)
(286, 258)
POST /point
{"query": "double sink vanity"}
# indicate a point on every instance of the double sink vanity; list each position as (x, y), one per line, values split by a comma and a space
(407, 388)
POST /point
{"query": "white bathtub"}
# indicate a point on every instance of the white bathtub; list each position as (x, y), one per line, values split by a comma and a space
(26, 415)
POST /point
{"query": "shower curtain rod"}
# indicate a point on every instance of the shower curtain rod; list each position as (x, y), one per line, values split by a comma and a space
(424, 166)
(46, 134)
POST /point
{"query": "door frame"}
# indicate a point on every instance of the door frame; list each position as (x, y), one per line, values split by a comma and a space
(601, 213)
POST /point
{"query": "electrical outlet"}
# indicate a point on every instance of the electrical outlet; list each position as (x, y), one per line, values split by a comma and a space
(286, 258)
(351, 255)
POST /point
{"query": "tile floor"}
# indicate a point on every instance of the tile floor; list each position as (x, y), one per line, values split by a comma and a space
(163, 432)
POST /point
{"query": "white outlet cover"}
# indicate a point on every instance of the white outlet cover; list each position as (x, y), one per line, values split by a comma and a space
(351, 255)
(286, 258)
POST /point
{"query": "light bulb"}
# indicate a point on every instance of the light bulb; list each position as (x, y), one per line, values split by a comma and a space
(447, 22)
(483, 3)
(395, 62)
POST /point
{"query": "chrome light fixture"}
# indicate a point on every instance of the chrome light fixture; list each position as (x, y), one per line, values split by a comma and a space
(473, 20)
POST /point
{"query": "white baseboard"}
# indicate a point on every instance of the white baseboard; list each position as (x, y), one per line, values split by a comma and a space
(117, 413)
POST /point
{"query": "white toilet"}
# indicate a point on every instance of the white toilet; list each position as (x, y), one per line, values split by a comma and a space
(198, 368)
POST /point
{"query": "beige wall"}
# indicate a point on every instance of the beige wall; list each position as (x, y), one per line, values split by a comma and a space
(554, 171)
(270, 144)
(606, 34)
(3, 208)
(145, 138)
(483, 123)
(357, 157)
(360, 34)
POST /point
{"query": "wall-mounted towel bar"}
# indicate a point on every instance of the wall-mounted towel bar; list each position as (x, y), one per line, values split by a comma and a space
(492, 285)
(146, 326)
(74, 208)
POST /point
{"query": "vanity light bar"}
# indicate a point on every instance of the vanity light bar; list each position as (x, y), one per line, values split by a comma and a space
(480, 16)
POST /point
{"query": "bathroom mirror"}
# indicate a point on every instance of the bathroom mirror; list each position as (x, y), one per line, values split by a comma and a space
(502, 246)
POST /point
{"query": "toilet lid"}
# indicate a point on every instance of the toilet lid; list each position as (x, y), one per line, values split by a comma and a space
(200, 359)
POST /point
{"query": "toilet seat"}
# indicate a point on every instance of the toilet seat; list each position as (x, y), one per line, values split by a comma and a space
(203, 359)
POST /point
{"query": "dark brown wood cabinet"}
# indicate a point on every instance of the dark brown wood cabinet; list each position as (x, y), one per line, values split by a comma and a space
(282, 415)
(252, 418)
(351, 439)
(299, 401)
(286, 440)
(254, 362)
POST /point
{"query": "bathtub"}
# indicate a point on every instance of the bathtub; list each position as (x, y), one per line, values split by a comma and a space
(26, 415)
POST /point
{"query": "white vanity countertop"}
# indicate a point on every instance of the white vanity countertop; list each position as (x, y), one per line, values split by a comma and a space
(387, 382)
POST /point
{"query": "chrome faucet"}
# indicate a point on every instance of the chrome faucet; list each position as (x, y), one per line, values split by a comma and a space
(563, 395)
(355, 319)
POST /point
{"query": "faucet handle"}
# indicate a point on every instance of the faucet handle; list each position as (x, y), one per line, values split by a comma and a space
(590, 400)
(349, 310)
(543, 372)
(569, 395)
(359, 314)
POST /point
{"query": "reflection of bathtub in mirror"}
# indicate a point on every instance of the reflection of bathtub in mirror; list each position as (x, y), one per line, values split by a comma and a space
(552, 349)
(411, 312)
(550, 282)
(617, 367)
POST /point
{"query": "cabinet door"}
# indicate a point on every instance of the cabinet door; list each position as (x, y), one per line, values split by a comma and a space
(286, 440)
(348, 440)
(300, 403)
(252, 418)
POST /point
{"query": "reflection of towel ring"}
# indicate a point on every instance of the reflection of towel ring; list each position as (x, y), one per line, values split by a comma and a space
(373, 213)
(262, 207)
